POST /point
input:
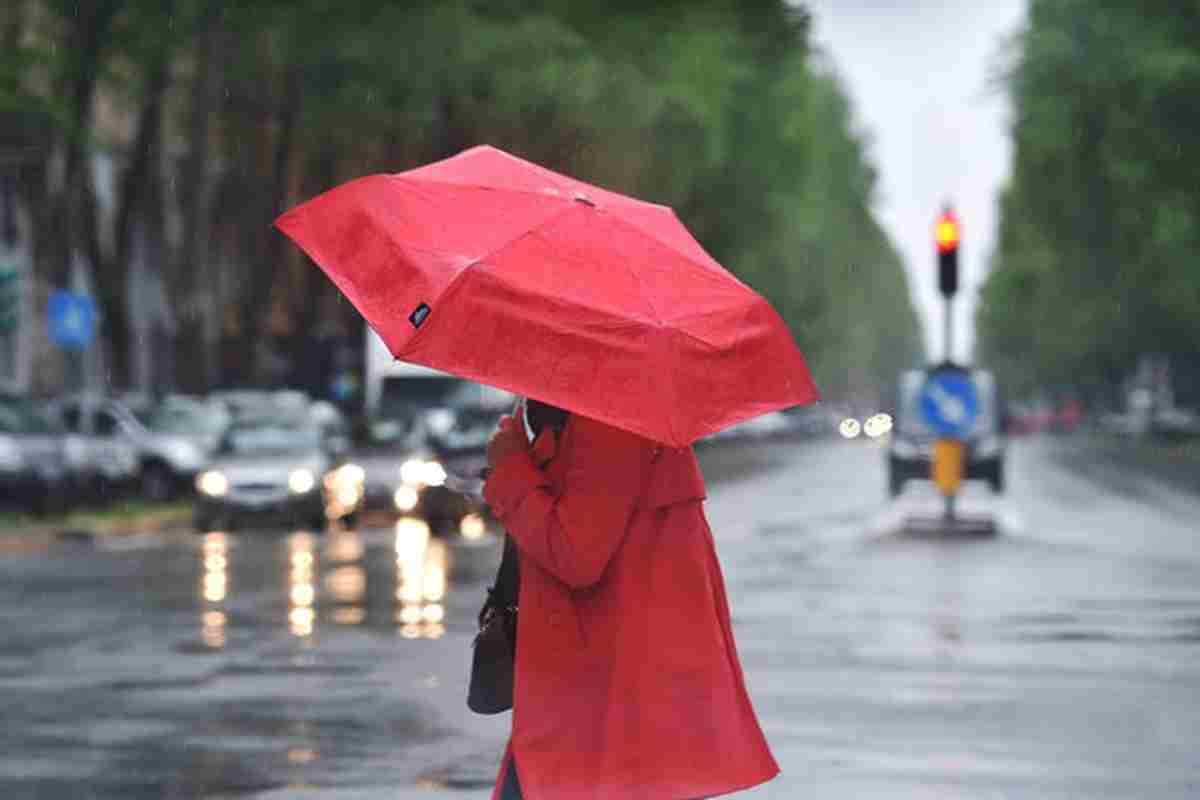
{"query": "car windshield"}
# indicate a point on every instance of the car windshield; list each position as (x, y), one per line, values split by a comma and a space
(188, 419)
(402, 396)
(271, 439)
(468, 394)
(19, 416)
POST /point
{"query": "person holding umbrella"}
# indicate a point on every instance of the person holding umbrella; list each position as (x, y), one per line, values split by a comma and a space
(484, 265)
(627, 679)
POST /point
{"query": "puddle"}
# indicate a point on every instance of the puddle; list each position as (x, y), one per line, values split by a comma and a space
(343, 579)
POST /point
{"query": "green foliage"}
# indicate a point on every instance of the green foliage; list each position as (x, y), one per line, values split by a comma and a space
(1100, 228)
(713, 107)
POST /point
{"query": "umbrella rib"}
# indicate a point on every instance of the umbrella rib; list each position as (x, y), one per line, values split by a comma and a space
(522, 235)
(537, 229)
(562, 193)
(723, 274)
(625, 198)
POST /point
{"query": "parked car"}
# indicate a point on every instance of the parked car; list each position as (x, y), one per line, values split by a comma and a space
(171, 441)
(911, 447)
(278, 469)
(33, 468)
(101, 461)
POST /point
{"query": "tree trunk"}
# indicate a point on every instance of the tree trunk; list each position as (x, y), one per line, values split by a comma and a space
(312, 284)
(256, 302)
(140, 204)
(87, 32)
(195, 287)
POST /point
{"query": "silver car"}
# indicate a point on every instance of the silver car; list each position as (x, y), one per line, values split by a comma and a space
(33, 470)
(170, 442)
(99, 457)
(270, 471)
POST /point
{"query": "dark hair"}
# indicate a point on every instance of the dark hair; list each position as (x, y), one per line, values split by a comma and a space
(543, 415)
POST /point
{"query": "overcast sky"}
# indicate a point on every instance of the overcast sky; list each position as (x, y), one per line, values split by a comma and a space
(921, 76)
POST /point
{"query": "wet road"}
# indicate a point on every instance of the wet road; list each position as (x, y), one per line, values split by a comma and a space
(1057, 659)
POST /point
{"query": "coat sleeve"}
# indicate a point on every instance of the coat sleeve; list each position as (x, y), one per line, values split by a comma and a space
(573, 535)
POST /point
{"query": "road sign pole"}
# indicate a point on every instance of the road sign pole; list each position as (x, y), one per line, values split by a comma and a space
(946, 238)
(948, 329)
(948, 342)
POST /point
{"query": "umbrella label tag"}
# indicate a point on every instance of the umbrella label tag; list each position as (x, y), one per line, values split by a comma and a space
(418, 315)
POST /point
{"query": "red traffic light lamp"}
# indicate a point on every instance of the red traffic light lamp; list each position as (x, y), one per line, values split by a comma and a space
(946, 235)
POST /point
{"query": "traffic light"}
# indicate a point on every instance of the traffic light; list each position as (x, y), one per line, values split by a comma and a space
(946, 234)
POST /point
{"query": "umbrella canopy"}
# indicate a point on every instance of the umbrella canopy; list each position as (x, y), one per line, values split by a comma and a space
(498, 270)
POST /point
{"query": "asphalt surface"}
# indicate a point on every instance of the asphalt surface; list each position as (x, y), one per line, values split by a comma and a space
(888, 658)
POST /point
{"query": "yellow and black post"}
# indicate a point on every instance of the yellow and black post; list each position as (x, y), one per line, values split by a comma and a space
(946, 466)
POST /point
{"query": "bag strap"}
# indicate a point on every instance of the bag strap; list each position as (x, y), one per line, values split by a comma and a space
(508, 578)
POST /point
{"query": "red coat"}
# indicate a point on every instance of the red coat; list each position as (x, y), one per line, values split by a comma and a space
(628, 685)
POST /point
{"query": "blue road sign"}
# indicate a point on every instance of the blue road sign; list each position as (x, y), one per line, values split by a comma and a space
(949, 402)
(72, 320)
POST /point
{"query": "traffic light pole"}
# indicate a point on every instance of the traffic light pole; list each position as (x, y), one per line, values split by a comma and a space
(948, 330)
(948, 344)
(947, 239)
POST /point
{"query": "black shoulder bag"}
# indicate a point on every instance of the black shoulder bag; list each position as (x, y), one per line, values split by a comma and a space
(495, 646)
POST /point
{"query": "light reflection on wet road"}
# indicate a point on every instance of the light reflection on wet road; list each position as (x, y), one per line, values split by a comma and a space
(1059, 659)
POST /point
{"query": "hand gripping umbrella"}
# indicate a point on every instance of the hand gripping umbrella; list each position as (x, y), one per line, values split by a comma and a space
(498, 270)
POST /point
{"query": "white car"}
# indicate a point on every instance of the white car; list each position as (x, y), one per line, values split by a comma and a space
(98, 458)
(169, 443)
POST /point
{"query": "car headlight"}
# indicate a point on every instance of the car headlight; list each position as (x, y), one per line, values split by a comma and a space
(348, 477)
(472, 526)
(412, 471)
(212, 483)
(433, 474)
(406, 498)
(877, 425)
(416, 472)
(850, 428)
(301, 481)
(352, 474)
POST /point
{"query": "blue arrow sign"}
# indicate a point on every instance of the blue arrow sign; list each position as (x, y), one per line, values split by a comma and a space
(949, 402)
(72, 320)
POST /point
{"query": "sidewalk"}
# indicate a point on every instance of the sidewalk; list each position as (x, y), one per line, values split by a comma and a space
(19, 533)
(1105, 456)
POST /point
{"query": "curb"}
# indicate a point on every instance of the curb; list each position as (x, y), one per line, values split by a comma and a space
(38, 537)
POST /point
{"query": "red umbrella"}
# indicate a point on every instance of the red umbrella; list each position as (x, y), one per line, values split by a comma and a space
(498, 270)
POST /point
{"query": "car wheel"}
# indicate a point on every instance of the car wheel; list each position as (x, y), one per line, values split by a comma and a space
(896, 478)
(203, 523)
(158, 484)
(41, 504)
(996, 479)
